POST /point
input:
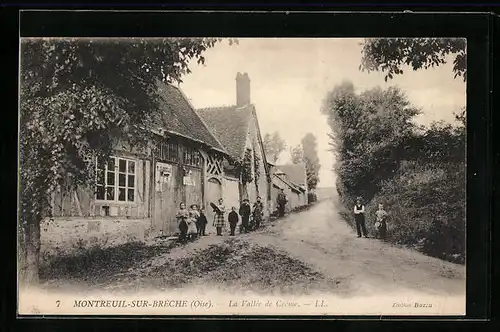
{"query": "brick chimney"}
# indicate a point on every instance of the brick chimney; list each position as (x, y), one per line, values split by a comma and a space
(242, 89)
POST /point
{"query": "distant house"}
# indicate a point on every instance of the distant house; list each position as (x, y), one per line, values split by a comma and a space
(178, 165)
(293, 179)
(246, 171)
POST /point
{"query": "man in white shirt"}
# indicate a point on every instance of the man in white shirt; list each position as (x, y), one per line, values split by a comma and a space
(359, 217)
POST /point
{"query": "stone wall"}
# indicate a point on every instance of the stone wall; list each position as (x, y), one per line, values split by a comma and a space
(65, 235)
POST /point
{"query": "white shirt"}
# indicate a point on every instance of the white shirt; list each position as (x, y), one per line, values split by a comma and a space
(361, 210)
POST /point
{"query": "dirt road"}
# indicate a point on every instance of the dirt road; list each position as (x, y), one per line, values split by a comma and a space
(322, 239)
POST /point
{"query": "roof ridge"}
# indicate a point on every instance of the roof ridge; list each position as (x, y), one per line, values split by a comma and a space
(215, 107)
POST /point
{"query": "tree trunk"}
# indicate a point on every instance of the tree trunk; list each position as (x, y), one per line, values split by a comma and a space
(29, 252)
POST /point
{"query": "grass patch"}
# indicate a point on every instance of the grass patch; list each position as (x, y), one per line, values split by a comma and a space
(96, 265)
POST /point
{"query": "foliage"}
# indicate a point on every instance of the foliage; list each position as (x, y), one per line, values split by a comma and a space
(246, 167)
(418, 173)
(297, 154)
(256, 167)
(79, 96)
(426, 204)
(389, 55)
(97, 263)
(368, 131)
(274, 145)
(311, 159)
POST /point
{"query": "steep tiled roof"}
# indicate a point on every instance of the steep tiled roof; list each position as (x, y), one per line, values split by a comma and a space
(177, 116)
(229, 124)
(295, 172)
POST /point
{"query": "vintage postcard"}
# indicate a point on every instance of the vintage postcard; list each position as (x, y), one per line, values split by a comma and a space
(243, 176)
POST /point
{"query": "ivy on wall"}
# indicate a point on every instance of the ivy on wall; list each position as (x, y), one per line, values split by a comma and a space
(257, 160)
(246, 167)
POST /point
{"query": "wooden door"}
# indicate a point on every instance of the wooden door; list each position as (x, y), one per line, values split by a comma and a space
(193, 188)
(214, 193)
(166, 198)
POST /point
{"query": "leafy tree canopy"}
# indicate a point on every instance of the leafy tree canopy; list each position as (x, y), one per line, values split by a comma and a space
(274, 145)
(390, 55)
(297, 154)
(311, 159)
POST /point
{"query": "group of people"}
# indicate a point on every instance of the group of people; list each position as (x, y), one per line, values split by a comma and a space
(380, 220)
(193, 221)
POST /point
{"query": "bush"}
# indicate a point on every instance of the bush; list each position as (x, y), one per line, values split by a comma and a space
(426, 206)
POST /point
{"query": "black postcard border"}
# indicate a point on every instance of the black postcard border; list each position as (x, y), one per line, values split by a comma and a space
(476, 27)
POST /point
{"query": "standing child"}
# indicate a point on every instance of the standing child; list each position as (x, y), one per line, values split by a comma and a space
(359, 217)
(381, 221)
(258, 213)
(182, 216)
(202, 222)
(233, 220)
(193, 216)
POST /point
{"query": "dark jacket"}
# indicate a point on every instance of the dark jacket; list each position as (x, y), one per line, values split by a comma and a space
(233, 217)
(281, 199)
(258, 208)
(202, 219)
(245, 210)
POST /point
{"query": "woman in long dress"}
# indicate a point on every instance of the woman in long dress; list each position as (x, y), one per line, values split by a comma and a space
(219, 221)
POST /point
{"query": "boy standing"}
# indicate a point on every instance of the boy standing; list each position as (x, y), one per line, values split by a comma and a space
(233, 220)
(359, 217)
(381, 221)
(202, 222)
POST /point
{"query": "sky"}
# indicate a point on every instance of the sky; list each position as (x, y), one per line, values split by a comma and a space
(290, 77)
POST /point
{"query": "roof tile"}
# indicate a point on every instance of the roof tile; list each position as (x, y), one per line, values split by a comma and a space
(296, 173)
(178, 117)
(229, 124)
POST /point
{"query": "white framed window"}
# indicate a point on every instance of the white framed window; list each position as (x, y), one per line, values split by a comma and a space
(116, 180)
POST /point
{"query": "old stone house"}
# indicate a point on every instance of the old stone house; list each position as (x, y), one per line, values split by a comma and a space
(246, 171)
(181, 164)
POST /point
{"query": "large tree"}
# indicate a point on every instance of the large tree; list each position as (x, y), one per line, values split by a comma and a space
(311, 159)
(77, 96)
(391, 55)
(368, 134)
(274, 145)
